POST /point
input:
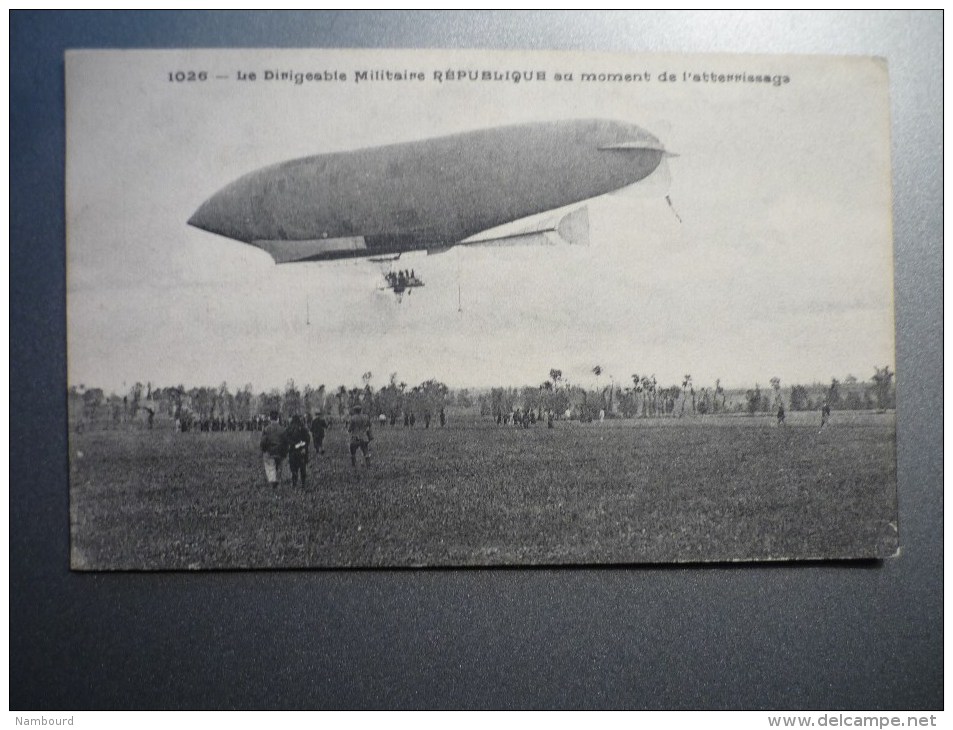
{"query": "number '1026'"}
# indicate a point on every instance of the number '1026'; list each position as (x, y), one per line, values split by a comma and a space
(188, 75)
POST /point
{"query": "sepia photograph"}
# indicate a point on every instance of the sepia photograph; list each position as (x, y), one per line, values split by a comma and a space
(395, 308)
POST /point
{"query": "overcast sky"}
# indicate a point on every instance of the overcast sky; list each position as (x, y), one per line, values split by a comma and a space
(781, 264)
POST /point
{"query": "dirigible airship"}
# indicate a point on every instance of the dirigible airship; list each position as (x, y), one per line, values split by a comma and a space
(430, 194)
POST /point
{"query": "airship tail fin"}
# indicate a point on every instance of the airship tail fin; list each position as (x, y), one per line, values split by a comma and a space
(574, 227)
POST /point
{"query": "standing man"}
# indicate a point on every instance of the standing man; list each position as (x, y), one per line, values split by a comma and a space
(359, 427)
(273, 449)
(825, 414)
(298, 438)
(318, 426)
(780, 414)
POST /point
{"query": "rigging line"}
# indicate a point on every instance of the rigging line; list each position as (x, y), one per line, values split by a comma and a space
(669, 201)
(459, 295)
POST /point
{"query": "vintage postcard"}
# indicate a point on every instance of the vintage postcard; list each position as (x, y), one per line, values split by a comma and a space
(450, 308)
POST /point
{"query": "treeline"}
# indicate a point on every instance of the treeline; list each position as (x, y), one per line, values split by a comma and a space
(643, 396)
(640, 396)
(145, 402)
(849, 394)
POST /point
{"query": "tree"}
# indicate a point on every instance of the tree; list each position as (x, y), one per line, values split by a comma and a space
(882, 380)
(597, 371)
(433, 395)
(292, 399)
(852, 395)
(243, 399)
(203, 400)
(271, 401)
(92, 400)
(705, 401)
(497, 402)
(390, 398)
(135, 395)
(558, 398)
(647, 391)
(753, 399)
(799, 398)
(636, 393)
(530, 398)
(354, 397)
(686, 381)
(833, 394)
(776, 387)
(226, 401)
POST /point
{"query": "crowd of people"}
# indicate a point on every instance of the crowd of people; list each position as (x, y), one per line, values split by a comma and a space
(189, 423)
(296, 441)
(293, 442)
(524, 418)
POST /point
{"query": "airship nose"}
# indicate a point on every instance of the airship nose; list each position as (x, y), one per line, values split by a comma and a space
(213, 217)
(224, 213)
(203, 219)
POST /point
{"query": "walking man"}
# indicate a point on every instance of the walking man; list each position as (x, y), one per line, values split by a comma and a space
(318, 426)
(273, 449)
(359, 427)
(298, 439)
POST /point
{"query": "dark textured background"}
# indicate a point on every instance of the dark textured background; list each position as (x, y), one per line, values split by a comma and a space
(768, 636)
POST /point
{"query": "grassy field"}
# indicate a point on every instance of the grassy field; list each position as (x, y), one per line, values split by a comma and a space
(474, 493)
